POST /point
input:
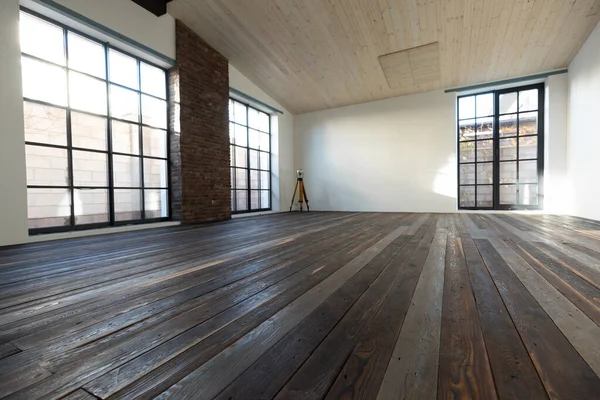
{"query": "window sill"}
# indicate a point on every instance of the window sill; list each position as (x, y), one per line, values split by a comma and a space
(100, 231)
(255, 214)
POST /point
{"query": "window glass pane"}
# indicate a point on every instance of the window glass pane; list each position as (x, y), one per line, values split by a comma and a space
(255, 199)
(231, 132)
(241, 178)
(264, 139)
(241, 198)
(241, 157)
(45, 82)
(264, 160)
(87, 94)
(258, 120)
(485, 196)
(508, 172)
(528, 147)
(153, 80)
(466, 107)
(241, 135)
(91, 206)
(508, 149)
(42, 39)
(253, 139)
(528, 100)
(254, 179)
(86, 56)
(154, 112)
(88, 131)
(45, 124)
(90, 169)
(485, 173)
(485, 128)
(124, 104)
(467, 152)
(528, 123)
(508, 125)
(123, 69)
(265, 180)
(126, 171)
(48, 208)
(467, 196)
(232, 177)
(528, 172)
(264, 122)
(528, 195)
(47, 166)
(125, 137)
(508, 103)
(155, 142)
(467, 174)
(233, 201)
(254, 118)
(230, 110)
(239, 113)
(157, 203)
(485, 105)
(155, 173)
(254, 159)
(128, 204)
(485, 150)
(265, 199)
(466, 129)
(508, 194)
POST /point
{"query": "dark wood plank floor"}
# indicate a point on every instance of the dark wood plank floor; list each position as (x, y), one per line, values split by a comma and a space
(308, 306)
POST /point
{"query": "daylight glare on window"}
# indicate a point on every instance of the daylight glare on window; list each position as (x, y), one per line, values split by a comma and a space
(95, 130)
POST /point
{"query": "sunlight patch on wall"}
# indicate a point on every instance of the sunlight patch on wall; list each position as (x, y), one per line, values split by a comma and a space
(444, 182)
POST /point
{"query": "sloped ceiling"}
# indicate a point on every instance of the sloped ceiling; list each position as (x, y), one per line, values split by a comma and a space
(316, 54)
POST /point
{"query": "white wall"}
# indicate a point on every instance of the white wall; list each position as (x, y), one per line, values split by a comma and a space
(584, 129)
(400, 154)
(556, 198)
(282, 152)
(13, 188)
(390, 155)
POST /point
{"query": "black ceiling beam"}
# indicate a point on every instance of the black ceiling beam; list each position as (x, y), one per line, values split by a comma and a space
(156, 7)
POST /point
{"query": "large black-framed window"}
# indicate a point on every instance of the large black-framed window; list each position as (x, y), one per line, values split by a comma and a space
(96, 131)
(501, 149)
(250, 141)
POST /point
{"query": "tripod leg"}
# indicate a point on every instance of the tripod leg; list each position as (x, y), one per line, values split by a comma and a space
(305, 197)
(301, 194)
(294, 196)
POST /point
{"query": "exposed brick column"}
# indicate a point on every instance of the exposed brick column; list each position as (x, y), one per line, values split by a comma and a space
(175, 144)
(200, 173)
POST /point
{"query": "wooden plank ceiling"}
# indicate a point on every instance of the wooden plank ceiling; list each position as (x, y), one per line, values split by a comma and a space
(316, 54)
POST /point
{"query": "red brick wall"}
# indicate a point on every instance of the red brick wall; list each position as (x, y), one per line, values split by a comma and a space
(200, 175)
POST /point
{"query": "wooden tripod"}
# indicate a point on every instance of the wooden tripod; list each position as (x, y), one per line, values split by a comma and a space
(302, 197)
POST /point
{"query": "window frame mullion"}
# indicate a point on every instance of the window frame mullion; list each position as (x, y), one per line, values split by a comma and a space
(71, 178)
(109, 143)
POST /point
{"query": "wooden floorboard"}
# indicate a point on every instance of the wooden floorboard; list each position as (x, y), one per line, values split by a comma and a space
(464, 368)
(318, 305)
